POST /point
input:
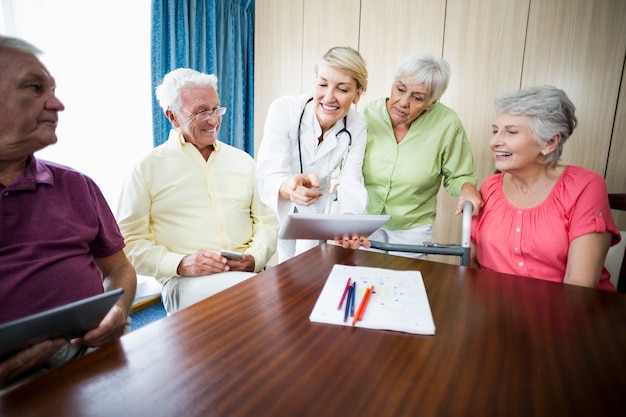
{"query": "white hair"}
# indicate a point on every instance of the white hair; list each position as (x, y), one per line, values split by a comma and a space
(168, 93)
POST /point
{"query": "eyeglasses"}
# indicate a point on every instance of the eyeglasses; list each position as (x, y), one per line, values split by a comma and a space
(204, 115)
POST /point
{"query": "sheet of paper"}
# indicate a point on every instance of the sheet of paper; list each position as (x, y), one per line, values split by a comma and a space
(399, 301)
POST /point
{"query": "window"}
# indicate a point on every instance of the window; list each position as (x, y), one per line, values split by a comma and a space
(99, 53)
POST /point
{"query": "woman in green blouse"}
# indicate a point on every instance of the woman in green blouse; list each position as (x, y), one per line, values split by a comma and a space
(413, 143)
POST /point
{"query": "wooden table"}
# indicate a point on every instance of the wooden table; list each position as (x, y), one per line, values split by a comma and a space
(504, 346)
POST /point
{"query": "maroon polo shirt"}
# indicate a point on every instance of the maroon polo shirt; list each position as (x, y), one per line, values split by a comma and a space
(53, 222)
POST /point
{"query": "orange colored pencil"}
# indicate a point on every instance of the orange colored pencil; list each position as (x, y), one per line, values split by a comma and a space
(361, 310)
(367, 299)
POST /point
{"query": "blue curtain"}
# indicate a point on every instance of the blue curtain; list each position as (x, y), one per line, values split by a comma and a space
(212, 36)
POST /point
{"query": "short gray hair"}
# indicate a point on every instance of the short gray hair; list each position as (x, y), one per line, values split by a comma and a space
(168, 93)
(17, 44)
(425, 69)
(550, 112)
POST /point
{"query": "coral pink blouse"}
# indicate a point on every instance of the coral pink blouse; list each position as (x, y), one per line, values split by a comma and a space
(534, 242)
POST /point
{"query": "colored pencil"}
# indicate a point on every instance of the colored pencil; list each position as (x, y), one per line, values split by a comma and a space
(366, 301)
(343, 296)
(347, 310)
(353, 298)
(361, 310)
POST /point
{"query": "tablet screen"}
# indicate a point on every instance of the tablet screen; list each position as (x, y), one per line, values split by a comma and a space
(68, 321)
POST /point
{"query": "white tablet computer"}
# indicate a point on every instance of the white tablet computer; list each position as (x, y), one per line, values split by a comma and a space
(68, 321)
(330, 226)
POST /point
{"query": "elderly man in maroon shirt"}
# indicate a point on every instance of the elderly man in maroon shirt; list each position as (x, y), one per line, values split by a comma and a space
(59, 241)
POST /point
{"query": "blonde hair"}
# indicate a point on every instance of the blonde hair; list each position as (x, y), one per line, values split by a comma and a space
(347, 60)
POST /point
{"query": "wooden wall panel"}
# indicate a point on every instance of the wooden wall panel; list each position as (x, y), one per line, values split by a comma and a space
(328, 23)
(578, 46)
(493, 46)
(392, 30)
(485, 54)
(481, 67)
(616, 167)
(277, 55)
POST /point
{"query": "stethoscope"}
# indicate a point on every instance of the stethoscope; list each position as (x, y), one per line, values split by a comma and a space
(344, 130)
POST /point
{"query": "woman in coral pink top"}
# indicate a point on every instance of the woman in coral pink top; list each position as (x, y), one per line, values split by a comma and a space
(541, 219)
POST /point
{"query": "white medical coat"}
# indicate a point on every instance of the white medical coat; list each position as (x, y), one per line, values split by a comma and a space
(333, 160)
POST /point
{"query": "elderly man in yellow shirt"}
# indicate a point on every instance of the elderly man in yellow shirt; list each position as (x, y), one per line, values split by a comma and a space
(192, 197)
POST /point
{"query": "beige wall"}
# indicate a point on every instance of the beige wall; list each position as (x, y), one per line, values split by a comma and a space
(493, 46)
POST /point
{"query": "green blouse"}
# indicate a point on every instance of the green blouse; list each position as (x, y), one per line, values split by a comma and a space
(402, 179)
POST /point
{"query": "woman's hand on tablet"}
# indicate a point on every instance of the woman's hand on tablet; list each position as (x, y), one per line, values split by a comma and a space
(353, 242)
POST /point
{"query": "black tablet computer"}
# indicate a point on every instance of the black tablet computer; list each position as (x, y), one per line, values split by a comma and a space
(68, 321)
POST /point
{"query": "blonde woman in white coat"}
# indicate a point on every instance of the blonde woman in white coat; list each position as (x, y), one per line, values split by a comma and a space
(312, 143)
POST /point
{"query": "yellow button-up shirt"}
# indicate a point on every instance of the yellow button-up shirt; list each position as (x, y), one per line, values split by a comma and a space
(175, 203)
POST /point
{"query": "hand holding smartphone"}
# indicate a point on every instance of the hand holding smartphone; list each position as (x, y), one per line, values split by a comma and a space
(232, 255)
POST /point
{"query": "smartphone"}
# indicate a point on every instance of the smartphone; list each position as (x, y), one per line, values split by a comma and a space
(232, 255)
